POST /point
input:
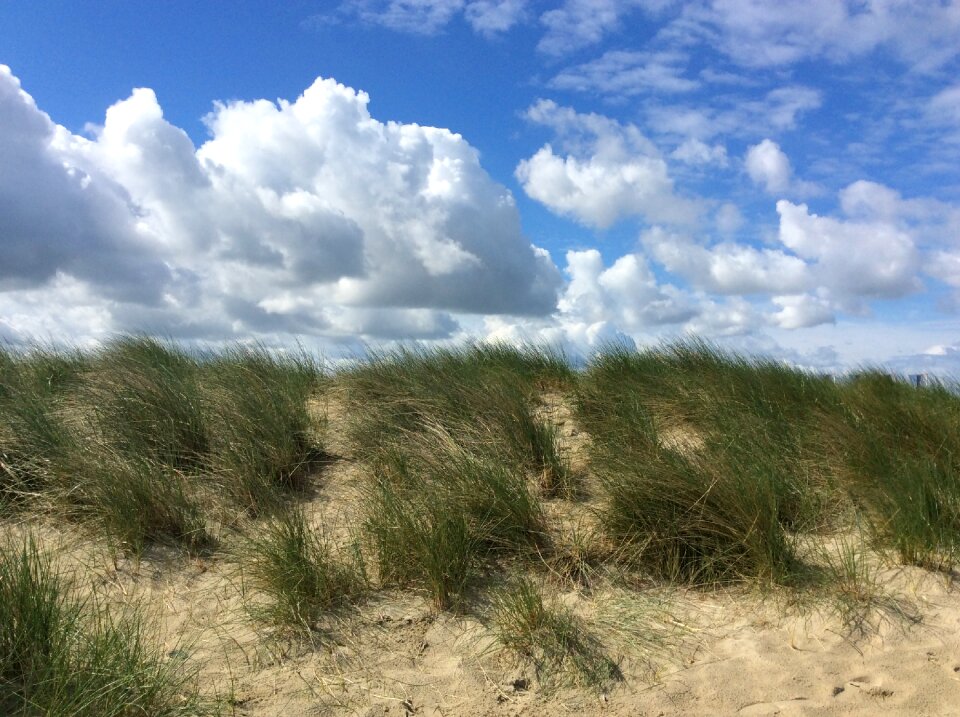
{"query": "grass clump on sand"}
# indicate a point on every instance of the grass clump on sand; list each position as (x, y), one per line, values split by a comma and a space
(61, 654)
(436, 511)
(262, 441)
(143, 437)
(903, 448)
(35, 446)
(551, 637)
(484, 394)
(298, 572)
(139, 502)
(708, 461)
(455, 449)
(146, 404)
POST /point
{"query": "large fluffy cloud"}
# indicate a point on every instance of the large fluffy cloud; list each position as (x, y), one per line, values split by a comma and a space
(728, 267)
(57, 217)
(601, 303)
(308, 217)
(868, 257)
(610, 171)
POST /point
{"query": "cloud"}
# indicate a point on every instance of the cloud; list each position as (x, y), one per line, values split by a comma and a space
(420, 17)
(944, 107)
(732, 316)
(626, 294)
(868, 257)
(942, 112)
(880, 248)
(611, 171)
(295, 217)
(728, 267)
(602, 304)
(697, 153)
(937, 361)
(620, 73)
(778, 110)
(580, 23)
(60, 215)
(768, 166)
(429, 17)
(489, 17)
(801, 311)
(783, 105)
(924, 34)
(728, 219)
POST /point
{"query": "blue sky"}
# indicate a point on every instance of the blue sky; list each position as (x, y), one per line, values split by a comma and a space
(778, 177)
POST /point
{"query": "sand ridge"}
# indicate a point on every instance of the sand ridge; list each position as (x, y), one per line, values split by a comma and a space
(721, 652)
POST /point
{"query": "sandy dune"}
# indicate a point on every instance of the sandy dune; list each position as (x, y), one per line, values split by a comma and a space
(681, 652)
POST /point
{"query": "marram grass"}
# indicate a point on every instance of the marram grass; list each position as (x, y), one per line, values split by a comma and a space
(704, 465)
(64, 654)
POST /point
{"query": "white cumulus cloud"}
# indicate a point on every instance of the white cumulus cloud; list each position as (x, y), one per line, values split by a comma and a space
(800, 311)
(308, 217)
(728, 267)
(610, 171)
(770, 167)
(867, 257)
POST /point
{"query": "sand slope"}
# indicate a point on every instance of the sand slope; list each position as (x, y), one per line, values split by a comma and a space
(710, 653)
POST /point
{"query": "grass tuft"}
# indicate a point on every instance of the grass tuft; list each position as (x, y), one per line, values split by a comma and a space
(706, 467)
(138, 502)
(64, 655)
(435, 512)
(298, 572)
(146, 402)
(262, 440)
(903, 448)
(551, 637)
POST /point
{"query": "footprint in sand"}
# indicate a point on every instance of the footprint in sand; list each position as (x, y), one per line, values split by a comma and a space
(875, 691)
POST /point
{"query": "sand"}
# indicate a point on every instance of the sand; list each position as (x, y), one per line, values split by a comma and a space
(681, 651)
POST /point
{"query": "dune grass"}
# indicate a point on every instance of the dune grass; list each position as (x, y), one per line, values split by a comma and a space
(484, 394)
(705, 468)
(298, 572)
(145, 402)
(550, 637)
(35, 446)
(460, 459)
(63, 654)
(262, 442)
(436, 511)
(708, 460)
(143, 437)
(904, 465)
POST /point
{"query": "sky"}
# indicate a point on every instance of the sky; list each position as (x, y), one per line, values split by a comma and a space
(776, 177)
